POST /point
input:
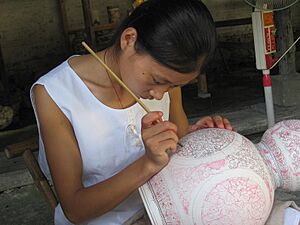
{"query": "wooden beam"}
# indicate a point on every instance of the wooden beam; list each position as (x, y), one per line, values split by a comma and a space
(15, 150)
(233, 22)
(108, 26)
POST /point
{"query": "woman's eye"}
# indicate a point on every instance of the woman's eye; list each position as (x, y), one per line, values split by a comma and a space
(155, 81)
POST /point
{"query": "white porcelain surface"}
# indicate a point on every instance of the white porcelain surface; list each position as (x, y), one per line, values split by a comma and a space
(280, 146)
(217, 178)
(220, 178)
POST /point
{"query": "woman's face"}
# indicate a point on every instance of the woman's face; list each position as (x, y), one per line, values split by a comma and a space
(147, 78)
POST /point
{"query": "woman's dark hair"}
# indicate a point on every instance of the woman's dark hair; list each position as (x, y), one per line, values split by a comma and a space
(179, 34)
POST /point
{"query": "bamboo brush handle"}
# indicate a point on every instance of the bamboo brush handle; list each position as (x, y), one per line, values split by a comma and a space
(115, 77)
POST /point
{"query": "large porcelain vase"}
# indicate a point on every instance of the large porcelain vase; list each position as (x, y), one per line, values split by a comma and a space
(220, 177)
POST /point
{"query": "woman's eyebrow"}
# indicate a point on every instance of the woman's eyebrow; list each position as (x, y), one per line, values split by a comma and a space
(165, 81)
(162, 79)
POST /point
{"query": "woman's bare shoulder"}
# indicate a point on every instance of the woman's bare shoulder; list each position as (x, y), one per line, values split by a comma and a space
(48, 112)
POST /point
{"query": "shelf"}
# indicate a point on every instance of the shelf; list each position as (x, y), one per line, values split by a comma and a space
(108, 26)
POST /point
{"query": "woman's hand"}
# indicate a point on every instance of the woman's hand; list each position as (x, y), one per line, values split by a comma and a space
(159, 138)
(210, 122)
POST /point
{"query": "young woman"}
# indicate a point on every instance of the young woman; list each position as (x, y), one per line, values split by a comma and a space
(96, 143)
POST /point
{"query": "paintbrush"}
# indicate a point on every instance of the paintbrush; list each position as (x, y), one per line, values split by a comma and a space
(118, 80)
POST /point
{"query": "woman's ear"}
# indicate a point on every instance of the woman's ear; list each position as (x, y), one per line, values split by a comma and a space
(128, 38)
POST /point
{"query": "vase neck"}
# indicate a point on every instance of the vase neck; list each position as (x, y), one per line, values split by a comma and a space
(271, 162)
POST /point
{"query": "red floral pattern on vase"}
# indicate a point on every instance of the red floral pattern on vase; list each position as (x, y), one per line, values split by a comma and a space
(232, 198)
(280, 147)
(219, 177)
(197, 177)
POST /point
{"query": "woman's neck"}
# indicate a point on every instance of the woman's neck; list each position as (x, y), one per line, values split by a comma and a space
(111, 60)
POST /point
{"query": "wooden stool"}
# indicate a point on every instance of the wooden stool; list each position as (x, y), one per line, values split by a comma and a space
(26, 149)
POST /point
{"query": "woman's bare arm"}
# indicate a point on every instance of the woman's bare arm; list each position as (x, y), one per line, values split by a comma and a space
(177, 114)
(63, 156)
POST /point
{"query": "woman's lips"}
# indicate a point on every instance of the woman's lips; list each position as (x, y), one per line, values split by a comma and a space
(146, 96)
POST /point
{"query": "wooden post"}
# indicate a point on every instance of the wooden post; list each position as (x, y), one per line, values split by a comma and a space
(285, 39)
(285, 86)
(202, 86)
(65, 26)
(3, 75)
(86, 5)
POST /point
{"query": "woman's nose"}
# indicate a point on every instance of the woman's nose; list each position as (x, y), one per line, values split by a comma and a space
(158, 93)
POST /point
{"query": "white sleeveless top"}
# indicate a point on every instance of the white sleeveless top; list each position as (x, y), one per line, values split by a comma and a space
(109, 139)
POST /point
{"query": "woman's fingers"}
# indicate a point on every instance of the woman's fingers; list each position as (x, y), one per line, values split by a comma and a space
(160, 138)
(154, 142)
(227, 124)
(218, 121)
(205, 122)
(163, 148)
(168, 134)
(159, 128)
(151, 118)
(210, 122)
(168, 145)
